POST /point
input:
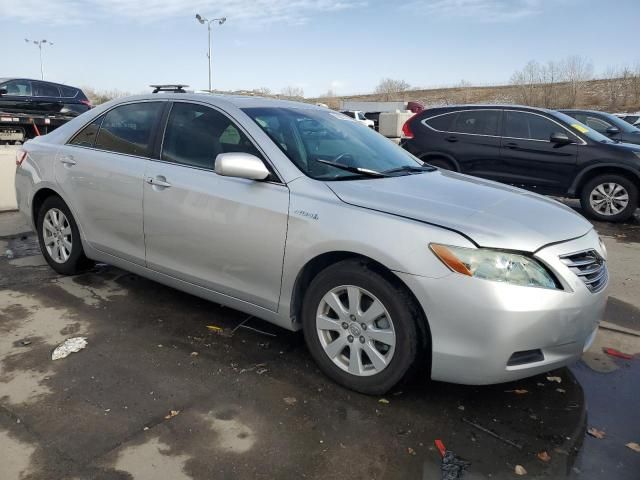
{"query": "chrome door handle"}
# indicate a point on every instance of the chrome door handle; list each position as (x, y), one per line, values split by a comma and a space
(158, 182)
(67, 160)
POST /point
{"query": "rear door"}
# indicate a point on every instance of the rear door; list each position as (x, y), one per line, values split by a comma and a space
(221, 233)
(46, 97)
(529, 159)
(471, 137)
(101, 172)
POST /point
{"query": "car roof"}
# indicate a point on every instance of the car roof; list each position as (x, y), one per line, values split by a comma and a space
(6, 79)
(490, 106)
(238, 101)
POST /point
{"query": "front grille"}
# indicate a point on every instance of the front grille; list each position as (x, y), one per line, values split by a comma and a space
(589, 266)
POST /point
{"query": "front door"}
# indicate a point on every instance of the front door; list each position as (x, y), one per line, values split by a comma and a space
(221, 233)
(529, 159)
(101, 172)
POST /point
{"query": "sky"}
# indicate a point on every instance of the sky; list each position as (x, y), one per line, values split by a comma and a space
(347, 46)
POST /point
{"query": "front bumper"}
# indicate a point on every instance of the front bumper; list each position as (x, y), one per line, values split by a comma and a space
(477, 325)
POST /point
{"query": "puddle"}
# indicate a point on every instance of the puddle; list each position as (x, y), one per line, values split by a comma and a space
(93, 290)
(152, 460)
(232, 435)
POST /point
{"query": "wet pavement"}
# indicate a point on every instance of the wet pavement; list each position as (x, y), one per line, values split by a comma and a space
(171, 386)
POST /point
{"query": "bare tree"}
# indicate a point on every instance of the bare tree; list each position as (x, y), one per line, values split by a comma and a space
(390, 88)
(576, 70)
(264, 91)
(526, 82)
(292, 92)
(611, 85)
(101, 96)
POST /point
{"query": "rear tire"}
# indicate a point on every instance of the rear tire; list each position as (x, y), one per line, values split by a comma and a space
(441, 163)
(609, 198)
(379, 323)
(59, 237)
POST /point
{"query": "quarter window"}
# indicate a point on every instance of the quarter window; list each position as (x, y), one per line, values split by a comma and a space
(43, 89)
(196, 134)
(128, 128)
(442, 122)
(529, 126)
(87, 136)
(68, 92)
(20, 88)
(479, 122)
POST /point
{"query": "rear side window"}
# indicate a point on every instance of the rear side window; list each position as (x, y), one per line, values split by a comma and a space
(128, 129)
(43, 89)
(20, 88)
(529, 126)
(68, 92)
(442, 122)
(479, 122)
(196, 134)
(87, 136)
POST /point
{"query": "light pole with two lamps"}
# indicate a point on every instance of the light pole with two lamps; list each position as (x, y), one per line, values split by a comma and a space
(203, 20)
(39, 43)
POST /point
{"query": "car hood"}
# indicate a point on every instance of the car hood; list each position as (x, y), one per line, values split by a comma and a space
(491, 214)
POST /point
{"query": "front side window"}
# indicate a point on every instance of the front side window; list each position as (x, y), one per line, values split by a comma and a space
(128, 128)
(43, 89)
(196, 134)
(87, 136)
(597, 124)
(19, 88)
(529, 126)
(479, 122)
(309, 136)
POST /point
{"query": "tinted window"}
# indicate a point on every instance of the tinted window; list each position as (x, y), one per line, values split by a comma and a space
(309, 136)
(43, 89)
(442, 122)
(128, 128)
(196, 134)
(480, 122)
(87, 136)
(350, 114)
(529, 126)
(18, 87)
(68, 92)
(597, 124)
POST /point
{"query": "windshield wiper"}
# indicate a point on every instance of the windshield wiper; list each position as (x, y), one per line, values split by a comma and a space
(411, 168)
(361, 171)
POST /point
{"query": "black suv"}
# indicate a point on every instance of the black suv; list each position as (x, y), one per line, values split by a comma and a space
(541, 150)
(607, 124)
(21, 95)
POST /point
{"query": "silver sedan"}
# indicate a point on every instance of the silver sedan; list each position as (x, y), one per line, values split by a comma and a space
(303, 217)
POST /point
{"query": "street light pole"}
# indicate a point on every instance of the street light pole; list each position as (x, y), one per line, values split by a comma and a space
(39, 43)
(202, 21)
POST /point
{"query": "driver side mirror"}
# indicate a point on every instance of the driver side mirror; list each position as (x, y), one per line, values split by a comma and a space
(241, 165)
(612, 131)
(3, 91)
(560, 138)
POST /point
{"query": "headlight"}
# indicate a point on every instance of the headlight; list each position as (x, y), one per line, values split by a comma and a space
(495, 265)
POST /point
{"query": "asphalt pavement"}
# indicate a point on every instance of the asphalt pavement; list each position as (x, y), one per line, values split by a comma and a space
(171, 386)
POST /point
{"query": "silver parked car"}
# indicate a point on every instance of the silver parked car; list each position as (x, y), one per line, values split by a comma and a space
(307, 219)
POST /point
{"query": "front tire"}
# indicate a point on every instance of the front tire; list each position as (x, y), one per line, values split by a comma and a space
(609, 198)
(361, 328)
(59, 237)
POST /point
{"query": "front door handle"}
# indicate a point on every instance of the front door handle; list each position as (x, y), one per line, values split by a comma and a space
(158, 181)
(67, 160)
(511, 145)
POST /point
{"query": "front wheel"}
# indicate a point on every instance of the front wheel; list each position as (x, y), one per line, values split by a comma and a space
(360, 328)
(609, 198)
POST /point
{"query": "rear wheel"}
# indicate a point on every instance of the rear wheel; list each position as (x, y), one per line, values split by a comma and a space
(441, 163)
(59, 237)
(360, 328)
(609, 198)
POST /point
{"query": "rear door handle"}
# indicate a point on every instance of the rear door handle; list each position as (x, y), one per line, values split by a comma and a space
(451, 138)
(511, 145)
(158, 182)
(67, 160)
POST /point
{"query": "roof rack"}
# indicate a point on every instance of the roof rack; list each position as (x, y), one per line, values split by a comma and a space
(175, 88)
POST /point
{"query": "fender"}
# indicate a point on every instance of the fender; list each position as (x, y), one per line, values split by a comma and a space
(424, 157)
(578, 180)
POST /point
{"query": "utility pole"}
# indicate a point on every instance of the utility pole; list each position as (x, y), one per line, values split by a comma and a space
(202, 21)
(39, 43)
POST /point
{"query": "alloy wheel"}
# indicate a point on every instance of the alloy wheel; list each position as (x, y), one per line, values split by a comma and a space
(355, 330)
(609, 198)
(56, 233)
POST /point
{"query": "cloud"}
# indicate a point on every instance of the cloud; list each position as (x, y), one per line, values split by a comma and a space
(243, 12)
(479, 10)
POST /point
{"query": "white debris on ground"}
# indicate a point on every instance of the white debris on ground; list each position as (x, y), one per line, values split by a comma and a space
(70, 345)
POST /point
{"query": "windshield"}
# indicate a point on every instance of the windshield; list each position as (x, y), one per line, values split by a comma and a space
(311, 138)
(582, 128)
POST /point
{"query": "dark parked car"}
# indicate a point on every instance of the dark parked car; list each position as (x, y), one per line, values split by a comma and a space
(22, 95)
(607, 124)
(541, 150)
